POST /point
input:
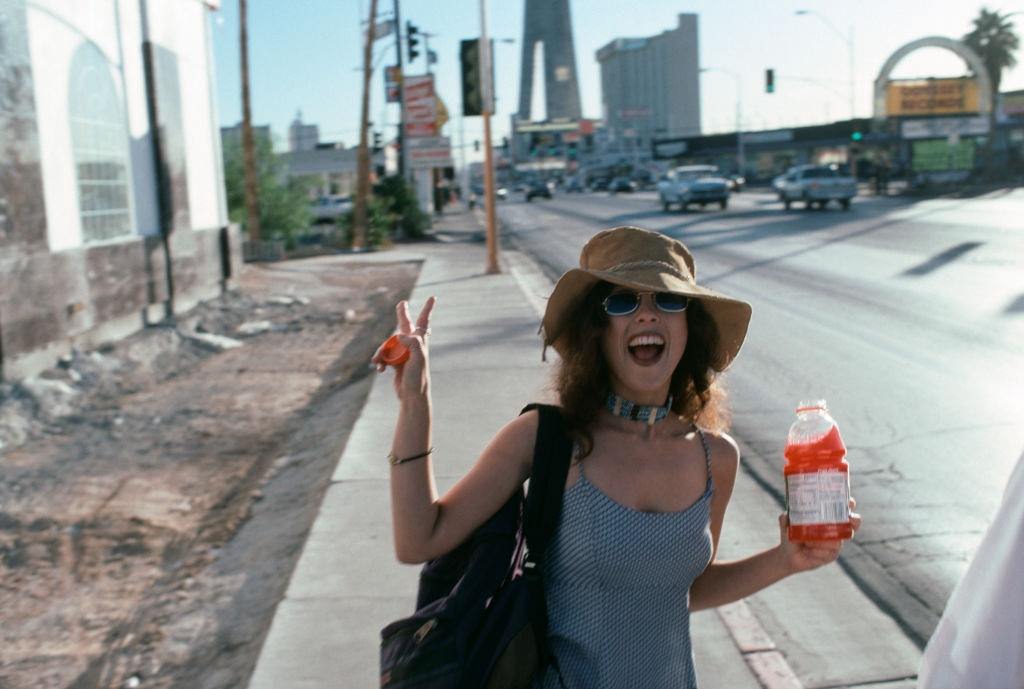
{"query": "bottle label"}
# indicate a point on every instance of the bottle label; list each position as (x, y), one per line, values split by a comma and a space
(820, 497)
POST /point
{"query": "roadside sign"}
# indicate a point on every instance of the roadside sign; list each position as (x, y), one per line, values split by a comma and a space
(420, 129)
(428, 152)
(392, 78)
(419, 87)
(421, 111)
(942, 127)
(421, 115)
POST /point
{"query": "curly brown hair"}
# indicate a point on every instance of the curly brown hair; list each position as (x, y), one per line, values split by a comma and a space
(582, 380)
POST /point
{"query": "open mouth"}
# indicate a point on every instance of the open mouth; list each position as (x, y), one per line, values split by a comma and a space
(646, 350)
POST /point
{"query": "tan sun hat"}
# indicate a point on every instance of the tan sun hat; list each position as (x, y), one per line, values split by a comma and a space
(644, 261)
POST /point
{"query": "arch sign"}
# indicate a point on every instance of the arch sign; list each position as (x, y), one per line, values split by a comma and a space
(926, 97)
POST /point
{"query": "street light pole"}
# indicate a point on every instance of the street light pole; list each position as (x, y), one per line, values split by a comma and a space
(848, 40)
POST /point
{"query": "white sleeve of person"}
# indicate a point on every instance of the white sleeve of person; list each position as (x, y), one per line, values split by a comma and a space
(979, 642)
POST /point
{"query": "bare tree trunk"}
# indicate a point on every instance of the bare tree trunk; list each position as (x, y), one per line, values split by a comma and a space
(252, 201)
(363, 160)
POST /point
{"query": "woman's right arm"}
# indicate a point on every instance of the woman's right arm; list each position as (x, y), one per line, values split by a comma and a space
(425, 526)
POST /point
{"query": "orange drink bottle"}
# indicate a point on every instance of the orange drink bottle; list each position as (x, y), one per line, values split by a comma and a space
(817, 477)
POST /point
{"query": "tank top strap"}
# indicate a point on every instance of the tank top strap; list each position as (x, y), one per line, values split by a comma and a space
(576, 450)
(707, 450)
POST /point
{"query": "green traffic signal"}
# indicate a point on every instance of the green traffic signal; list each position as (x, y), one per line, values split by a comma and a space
(856, 136)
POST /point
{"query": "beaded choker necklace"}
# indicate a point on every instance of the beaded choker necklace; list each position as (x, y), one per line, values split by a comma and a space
(637, 412)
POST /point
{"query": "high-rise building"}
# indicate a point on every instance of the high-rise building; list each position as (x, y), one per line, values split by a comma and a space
(302, 137)
(650, 87)
(547, 38)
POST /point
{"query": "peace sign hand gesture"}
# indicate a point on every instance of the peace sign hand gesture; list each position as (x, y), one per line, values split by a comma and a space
(412, 378)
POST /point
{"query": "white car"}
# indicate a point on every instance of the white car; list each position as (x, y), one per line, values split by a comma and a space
(330, 208)
(693, 184)
(816, 185)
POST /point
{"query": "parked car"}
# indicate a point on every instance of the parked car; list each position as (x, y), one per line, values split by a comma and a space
(736, 182)
(538, 188)
(574, 185)
(778, 180)
(816, 185)
(599, 184)
(621, 184)
(329, 208)
(693, 184)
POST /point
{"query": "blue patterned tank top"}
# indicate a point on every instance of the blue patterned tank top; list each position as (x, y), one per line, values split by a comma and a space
(617, 582)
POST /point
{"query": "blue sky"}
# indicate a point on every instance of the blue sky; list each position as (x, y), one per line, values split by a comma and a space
(306, 55)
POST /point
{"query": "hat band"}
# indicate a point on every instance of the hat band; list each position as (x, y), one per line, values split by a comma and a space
(640, 265)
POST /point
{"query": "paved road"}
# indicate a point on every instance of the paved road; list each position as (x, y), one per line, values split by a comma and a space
(906, 316)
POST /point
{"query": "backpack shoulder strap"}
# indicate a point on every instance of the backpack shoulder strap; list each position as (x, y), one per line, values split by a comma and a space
(552, 454)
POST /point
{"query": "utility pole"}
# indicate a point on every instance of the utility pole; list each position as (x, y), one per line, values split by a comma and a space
(252, 204)
(363, 159)
(488, 107)
(401, 93)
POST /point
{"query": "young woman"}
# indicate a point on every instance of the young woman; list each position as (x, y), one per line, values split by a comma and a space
(641, 344)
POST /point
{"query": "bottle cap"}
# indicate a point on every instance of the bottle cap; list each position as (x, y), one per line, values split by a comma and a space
(811, 405)
(393, 352)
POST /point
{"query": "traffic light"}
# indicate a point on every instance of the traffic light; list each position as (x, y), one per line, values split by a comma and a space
(472, 94)
(769, 81)
(376, 142)
(857, 135)
(411, 33)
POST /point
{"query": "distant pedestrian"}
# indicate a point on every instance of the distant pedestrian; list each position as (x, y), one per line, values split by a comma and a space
(979, 642)
(641, 346)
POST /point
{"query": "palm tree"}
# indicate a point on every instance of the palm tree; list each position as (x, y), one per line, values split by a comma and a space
(248, 146)
(995, 41)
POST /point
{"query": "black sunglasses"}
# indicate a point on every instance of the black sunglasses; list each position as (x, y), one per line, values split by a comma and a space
(625, 303)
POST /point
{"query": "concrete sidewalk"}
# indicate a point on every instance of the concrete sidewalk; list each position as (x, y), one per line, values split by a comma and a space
(814, 630)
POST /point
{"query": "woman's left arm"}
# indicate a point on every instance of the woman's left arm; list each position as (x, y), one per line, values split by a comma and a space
(726, 582)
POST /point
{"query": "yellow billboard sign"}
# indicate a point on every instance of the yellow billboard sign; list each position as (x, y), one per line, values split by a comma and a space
(931, 97)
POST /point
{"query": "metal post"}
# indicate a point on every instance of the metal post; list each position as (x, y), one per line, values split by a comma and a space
(426, 49)
(488, 108)
(401, 93)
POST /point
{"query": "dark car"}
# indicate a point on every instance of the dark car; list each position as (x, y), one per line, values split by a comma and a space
(538, 188)
(599, 184)
(621, 184)
(574, 185)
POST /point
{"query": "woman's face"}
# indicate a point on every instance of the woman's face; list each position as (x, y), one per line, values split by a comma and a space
(642, 350)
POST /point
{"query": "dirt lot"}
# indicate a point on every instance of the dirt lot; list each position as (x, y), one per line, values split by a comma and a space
(155, 495)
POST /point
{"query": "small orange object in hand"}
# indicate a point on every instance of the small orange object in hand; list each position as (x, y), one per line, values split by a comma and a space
(393, 352)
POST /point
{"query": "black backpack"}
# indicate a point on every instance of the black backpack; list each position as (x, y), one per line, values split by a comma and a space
(481, 619)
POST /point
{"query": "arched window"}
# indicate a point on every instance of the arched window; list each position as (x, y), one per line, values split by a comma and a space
(99, 141)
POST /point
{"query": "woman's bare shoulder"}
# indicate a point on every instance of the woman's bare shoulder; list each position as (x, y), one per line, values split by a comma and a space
(725, 453)
(516, 439)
